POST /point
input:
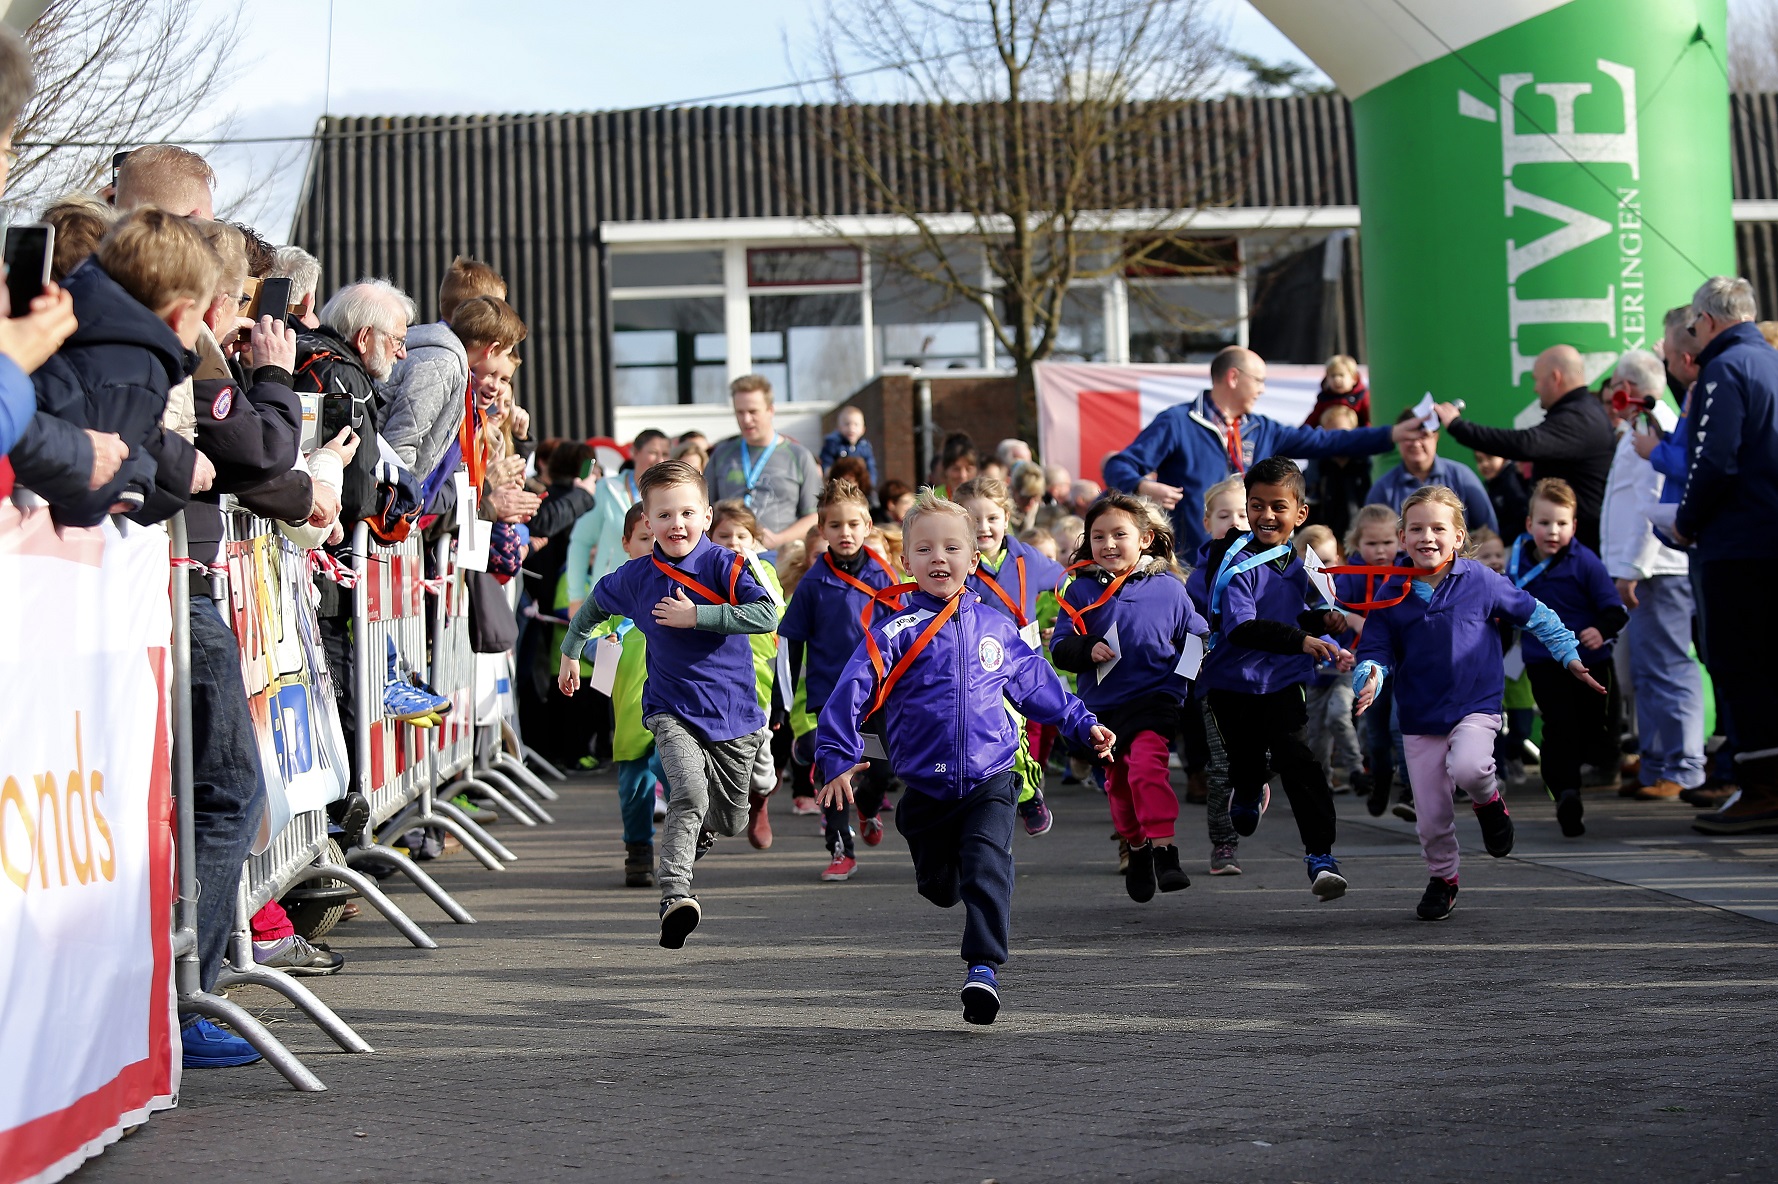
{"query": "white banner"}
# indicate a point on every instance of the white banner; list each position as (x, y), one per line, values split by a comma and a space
(88, 1035)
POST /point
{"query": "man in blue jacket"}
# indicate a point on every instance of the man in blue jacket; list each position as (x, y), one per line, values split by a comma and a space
(1192, 446)
(1730, 514)
(1421, 465)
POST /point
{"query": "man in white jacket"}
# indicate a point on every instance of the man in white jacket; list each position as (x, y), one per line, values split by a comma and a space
(1653, 581)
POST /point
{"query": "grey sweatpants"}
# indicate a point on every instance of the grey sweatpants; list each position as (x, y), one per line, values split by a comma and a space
(1216, 779)
(707, 785)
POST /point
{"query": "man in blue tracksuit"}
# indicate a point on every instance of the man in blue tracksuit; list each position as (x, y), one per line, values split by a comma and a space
(1730, 513)
(941, 673)
(1192, 446)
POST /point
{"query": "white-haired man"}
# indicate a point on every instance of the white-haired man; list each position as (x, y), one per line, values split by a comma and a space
(1655, 584)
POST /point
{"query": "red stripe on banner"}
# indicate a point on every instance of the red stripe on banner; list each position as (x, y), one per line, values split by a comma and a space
(373, 589)
(1109, 420)
(376, 755)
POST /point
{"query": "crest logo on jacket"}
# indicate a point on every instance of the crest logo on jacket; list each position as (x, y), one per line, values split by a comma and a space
(992, 654)
(223, 403)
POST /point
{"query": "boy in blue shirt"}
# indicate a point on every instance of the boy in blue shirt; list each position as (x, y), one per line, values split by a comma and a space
(848, 440)
(1265, 645)
(1566, 574)
(941, 673)
(694, 602)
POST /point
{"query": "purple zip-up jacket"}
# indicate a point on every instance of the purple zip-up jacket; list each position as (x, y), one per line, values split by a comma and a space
(1153, 615)
(946, 727)
(1042, 574)
(827, 616)
(1274, 591)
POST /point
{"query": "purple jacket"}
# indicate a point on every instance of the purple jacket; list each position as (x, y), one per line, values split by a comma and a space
(946, 726)
(1042, 574)
(1577, 588)
(1259, 637)
(1153, 616)
(827, 616)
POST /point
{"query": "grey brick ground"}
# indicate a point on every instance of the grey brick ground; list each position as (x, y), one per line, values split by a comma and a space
(1557, 1027)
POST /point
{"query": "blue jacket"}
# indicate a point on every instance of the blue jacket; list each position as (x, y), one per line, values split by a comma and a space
(18, 403)
(111, 375)
(1577, 588)
(1258, 624)
(704, 678)
(1153, 615)
(1185, 446)
(946, 725)
(1397, 485)
(826, 615)
(1444, 650)
(1730, 507)
(1042, 574)
(834, 446)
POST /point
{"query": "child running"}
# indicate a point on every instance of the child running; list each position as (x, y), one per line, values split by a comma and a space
(1265, 646)
(733, 525)
(1564, 573)
(828, 614)
(1010, 576)
(1225, 510)
(699, 700)
(1124, 621)
(1440, 646)
(1373, 542)
(941, 673)
(1332, 737)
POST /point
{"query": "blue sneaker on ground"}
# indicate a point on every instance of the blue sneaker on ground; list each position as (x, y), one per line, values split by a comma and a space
(1245, 816)
(1325, 880)
(209, 1047)
(981, 996)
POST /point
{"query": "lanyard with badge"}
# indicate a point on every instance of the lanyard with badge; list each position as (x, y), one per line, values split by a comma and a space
(1027, 627)
(1512, 563)
(752, 471)
(1233, 565)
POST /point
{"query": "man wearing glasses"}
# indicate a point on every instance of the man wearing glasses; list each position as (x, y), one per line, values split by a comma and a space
(1191, 446)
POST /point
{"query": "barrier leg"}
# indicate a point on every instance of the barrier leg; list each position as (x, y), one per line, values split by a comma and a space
(461, 833)
(411, 870)
(448, 810)
(516, 770)
(535, 759)
(215, 1007)
(293, 990)
(511, 789)
(512, 750)
(494, 797)
(373, 896)
(458, 824)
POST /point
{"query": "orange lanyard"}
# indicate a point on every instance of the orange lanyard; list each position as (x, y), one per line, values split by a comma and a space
(870, 594)
(1370, 574)
(673, 573)
(1079, 616)
(1017, 607)
(887, 682)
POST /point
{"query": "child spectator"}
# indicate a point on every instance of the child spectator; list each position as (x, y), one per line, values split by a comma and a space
(1225, 511)
(847, 439)
(832, 607)
(700, 699)
(941, 673)
(693, 452)
(1332, 737)
(734, 526)
(1341, 386)
(1265, 645)
(896, 497)
(1439, 641)
(1069, 531)
(1041, 541)
(958, 464)
(1566, 574)
(1508, 491)
(80, 221)
(1124, 622)
(1339, 485)
(1010, 577)
(632, 745)
(992, 467)
(851, 468)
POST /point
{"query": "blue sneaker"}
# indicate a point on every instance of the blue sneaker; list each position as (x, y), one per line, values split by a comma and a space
(209, 1047)
(1245, 816)
(1325, 880)
(981, 996)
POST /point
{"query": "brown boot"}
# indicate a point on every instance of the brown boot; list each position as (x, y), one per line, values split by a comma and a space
(1755, 812)
(1197, 788)
(759, 827)
(1660, 791)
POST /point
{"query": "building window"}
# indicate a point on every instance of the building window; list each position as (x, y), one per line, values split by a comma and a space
(1182, 320)
(810, 346)
(668, 351)
(921, 324)
(667, 269)
(781, 267)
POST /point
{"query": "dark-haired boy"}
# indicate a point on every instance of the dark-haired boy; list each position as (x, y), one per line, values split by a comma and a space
(694, 602)
(1264, 646)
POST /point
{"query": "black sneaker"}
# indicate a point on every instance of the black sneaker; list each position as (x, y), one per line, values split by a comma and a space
(1497, 827)
(1168, 875)
(679, 916)
(354, 812)
(706, 840)
(1139, 881)
(1568, 813)
(1377, 799)
(1438, 900)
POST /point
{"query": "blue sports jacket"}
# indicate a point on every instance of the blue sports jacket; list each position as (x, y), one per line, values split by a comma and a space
(826, 615)
(1730, 505)
(1042, 574)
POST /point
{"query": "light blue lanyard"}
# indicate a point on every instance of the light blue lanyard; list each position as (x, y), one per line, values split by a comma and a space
(1512, 563)
(752, 471)
(1230, 568)
(635, 494)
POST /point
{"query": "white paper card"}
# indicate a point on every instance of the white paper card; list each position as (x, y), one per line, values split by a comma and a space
(1427, 416)
(873, 748)
(474, 536)
(1191, 656)
(606, 652)
(1318, 577)
(1514, 662)
(1117, 652)
(781, 673)
(1033, 636)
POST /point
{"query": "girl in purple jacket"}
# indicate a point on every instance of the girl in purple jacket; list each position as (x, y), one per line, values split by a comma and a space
(1125, 620)
(1439, 644)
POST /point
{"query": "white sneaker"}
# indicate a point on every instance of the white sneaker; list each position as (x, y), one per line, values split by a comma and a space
(660, 806)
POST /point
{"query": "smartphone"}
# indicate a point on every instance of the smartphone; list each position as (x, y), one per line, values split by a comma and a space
(271, 300)
(30, 249)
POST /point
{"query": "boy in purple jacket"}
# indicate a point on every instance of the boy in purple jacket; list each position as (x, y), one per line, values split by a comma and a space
(939, 672)
(1264, 647)
(694, 602)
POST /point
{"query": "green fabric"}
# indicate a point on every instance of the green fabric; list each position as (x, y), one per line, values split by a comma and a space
(759, 617)
(1518, 693)
(581, 628)
(765, 645)
(630, 741)
(801, 722)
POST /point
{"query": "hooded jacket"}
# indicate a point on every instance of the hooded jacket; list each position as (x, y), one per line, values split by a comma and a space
(825, 619)
(111, 375)
(424, 396)
(1731, 487)
(946, 727)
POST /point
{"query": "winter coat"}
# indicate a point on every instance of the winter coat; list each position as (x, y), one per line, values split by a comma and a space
(1731, 489)
(1574, 442)
(424, 396)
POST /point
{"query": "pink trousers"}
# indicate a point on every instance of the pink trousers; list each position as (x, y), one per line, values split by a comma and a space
(1143, 804)
(1437, 767)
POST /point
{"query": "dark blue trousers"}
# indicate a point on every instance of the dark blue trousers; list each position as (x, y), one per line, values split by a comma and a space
(962, 851)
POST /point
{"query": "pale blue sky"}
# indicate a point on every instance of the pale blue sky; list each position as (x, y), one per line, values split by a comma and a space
(408, 57)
